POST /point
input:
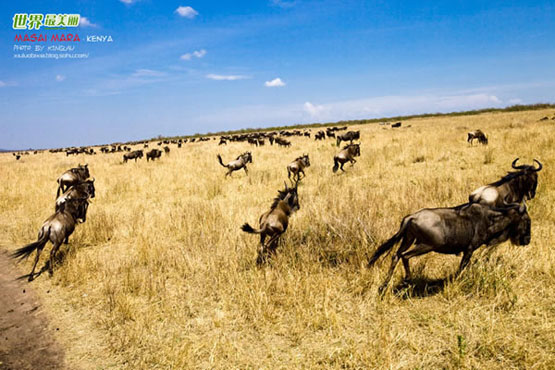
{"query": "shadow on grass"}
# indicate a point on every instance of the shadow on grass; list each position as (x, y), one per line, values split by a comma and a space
(421, 287)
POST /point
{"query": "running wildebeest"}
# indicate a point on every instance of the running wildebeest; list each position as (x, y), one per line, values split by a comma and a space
(274, 222)
(240, 162)
(136, 154)
(348, 136)
(479, 135)
(56, 228)
(514, 187)
(83, 190)
(347, 154)
(461, 229)
(153, 154)
(72, 176)
(297, 167)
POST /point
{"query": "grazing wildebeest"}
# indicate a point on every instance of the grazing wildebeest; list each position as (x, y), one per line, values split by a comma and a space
(274, 222)
(153, 154)
(320, 135)
(71, 177)
(396, 125)
(514, 187)
(479, 135)
(297, 167)
(167, 150)
(461, 229)
(56, 228)
(347, 154)
(348, 136)
(136, 154)
(282, 142)
(240, 162)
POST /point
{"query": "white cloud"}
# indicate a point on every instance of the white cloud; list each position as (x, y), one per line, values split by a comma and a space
(515, 101)
(283, 3)
(186, 11)
(313, 110)
(197, 53)
(85, 22)
(143, 72)
(128, 1)
(226, 77)
(276, 82)
(60, 78)
(2, 83)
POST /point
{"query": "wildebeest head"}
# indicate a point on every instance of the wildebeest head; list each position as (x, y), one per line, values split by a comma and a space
(513, 223)
(290, 196)
(83, 171)
(247, 156)
(529, 175)
(89, 186)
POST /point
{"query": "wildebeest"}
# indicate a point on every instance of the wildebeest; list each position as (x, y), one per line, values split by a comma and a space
(320, 135)
(274, 222)
(461, 229)
(83, 190)
(136, 154)
(56, 228)
(240, 162)
(347, 154)
(348, 136)
(167, 150)
(282, 142)
(479, 135)
(71, 177)
(512, 188)
(297, 167)
(153, 154)
(397, 125)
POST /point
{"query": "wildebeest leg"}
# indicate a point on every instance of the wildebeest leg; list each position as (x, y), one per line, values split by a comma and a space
(245, 168)
(32, 274)
(66, 240)
(341, 168)
(465, 260)
(418, 250)
(55, 248)
(288, 173)
(353, 161)
(405, 244)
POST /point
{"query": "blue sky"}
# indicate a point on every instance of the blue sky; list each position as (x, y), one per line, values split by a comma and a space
(182, 67)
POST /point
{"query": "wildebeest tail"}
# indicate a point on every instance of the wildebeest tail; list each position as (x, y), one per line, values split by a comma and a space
(248, 229)
(335, 165)
(385, 247)
(25, 251)
(220, 160)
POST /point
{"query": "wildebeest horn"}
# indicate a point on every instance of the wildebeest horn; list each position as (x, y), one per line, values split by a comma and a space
(513, 165)
(539, 164)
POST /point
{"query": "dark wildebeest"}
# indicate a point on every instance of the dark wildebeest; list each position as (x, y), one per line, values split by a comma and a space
(153, 154)
(83, 190)
(282, 142)
(396, 125)
(515, 187)
(348, 136)
(167, 150)
(479, 135)
(274, 222)
(297, 167)
(320, 135)
(136, 154)
(17, 157)
(222, 141)
(461, 229)
(237, 164)
(348, 154)
(71, 177)
(56, 228)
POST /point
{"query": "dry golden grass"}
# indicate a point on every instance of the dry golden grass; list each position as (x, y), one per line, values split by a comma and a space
(160, 275)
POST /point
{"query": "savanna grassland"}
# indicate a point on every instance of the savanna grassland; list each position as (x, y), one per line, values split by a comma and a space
(161, 276)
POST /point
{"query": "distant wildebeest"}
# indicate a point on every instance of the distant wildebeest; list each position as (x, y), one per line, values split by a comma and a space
(240, 162)
(479, 135)
(145, 145)
(347, 154)
(320, 135)
(167, 150)
(56, 228)
(282, 142)
(514, 187)
(396, 125)
(348, 136)
(271, 138)
(136, 154)
(274, 222)
(461, 229)
(17, 156)
(153, 154)
(71, 177)
(297, 167)
(222, 141)
(330, 133)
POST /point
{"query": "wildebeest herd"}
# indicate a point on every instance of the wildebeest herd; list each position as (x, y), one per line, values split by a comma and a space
(493, 214)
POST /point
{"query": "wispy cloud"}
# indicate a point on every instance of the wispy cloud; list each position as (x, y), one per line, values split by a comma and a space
(197, 54)
(129, 2)
(60, 78)
(2, 83)
(85, 22)
(186, 11)
(226, 77)
(283, 3)
(147, 73)
(313, 110)
(276, 82)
